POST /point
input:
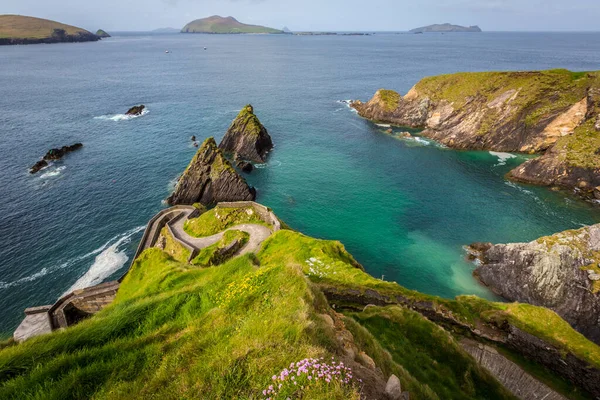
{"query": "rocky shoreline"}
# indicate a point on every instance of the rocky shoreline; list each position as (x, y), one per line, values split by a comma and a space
(55, 38)
(555, 114)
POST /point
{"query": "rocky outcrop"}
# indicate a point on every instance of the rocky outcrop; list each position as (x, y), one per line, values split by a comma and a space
(136, 110)
(247, 138)
(53, 155)
(210, 179)
(548, 112)
(560, 272)
(102, 34)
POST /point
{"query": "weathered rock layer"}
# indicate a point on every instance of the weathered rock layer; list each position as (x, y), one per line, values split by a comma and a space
(548, 112)
(247, 138)
(559, 272)
(210, 179)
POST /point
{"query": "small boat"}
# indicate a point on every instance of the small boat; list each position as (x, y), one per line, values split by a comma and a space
(167, 51)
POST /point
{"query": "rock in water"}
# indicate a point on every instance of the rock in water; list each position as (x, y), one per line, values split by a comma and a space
(52, 155)
(102, 33)
(552, 272)
(136, 110)
(210, 179)
(247, 138)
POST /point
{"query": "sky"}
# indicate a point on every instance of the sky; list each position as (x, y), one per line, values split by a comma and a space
(332, 15)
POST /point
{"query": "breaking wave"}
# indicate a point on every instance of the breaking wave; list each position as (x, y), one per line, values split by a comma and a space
(502, 157)
(52, 172)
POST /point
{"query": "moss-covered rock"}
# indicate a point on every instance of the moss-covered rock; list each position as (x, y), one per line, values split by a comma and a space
(210, 179)
(247, 138)
(103, 34)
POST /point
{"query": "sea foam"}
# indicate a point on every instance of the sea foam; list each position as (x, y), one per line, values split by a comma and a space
(121, 117)
(502, 157)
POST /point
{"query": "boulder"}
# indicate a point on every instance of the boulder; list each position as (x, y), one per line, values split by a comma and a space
(244, 165)
(209, 179)
(247, 138)
(597, 126)
(136, 110)
(597, 192)
(393, 389)
(53, 155)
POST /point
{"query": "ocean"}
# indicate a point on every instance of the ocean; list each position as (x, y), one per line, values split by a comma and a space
(403, 207)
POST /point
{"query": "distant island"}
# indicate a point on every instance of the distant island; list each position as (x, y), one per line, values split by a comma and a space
(217, 24)
(102, 33)
(18, 29)
(166, 30)
(446, 28)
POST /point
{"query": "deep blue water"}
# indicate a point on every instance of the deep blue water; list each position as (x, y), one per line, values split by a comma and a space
(403, 208)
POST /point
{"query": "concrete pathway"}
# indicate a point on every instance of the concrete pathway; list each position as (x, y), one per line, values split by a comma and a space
(258, 234)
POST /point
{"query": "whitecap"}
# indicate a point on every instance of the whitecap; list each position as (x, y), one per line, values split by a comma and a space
(502, 157)
(122, 117)
(52, 172)
(384, 125)
(348, 104)
(270, 164)
(112, 257)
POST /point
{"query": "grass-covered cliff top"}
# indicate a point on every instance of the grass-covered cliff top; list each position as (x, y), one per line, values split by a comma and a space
(178, 331)
(217, 24)
(221, 218)
(22, 27)
(247, 122)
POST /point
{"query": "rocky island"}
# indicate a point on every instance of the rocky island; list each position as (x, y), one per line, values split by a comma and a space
(210, 178)
(246, 138)
(18, 29)
(555, 114)
(224, 25)
(136, 110)
(444, 28)
(53, 155)
(102, 34)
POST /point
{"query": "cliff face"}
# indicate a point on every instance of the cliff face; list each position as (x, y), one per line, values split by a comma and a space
(551, 112)
(247, 138)
(210, 179)
(559, 272)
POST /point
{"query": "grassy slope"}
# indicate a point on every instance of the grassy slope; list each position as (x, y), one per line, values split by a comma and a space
(248, 120)
(176, 331)
(217, 24)
(220, 218)
(21, 27)
(208, 256)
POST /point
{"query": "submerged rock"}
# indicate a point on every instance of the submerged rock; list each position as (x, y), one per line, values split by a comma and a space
(210, 179)
(53, 155)
(552, 272)
(247, 138)
(136, 110)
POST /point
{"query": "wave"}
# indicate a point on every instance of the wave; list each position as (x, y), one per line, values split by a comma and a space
(270, 164)
(348, 103)
(502, 157)
(52, 173)
(384, 125)
(111, 258)
(121, 117)
(49, 270)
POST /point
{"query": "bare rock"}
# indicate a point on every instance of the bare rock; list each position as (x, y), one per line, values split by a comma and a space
(53, 155)
(247, 138)
(210, 179)
(136, 110)
(393, 388)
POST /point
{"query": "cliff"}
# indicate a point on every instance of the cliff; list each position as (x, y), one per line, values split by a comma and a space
(559, 272)
(446, 28)
(18, 29)
(217, 24)
(552, 113)
(210, 179)
(298, 319)
(247, 138)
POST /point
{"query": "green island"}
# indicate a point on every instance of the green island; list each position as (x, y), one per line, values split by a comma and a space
(224, 25)
(19, 29)
(177, 329)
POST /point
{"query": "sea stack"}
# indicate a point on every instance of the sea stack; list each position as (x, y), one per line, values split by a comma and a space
(102, 34)
(247, 138)
(209, 179)
(559, 272)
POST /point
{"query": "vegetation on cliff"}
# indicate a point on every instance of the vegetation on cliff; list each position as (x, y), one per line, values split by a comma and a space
(247, 138)
(178, 331)
(102, 33)
(218, 24)
(554, 113)
(18, 29)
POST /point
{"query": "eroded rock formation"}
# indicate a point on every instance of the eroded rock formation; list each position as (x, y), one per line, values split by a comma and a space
(210, 179)
(560, 272)
(247, 138)
(552, 113)
(53, 155)
(136, 110)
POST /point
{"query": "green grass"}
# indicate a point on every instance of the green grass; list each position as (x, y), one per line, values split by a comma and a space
(216, 24)
(174, 248)
(22, 27)
(248, 121)
(221, 218)
(429, 354)
(209, 257)
(390, 99)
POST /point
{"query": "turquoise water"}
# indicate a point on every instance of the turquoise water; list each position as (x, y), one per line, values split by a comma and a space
(403, 208)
